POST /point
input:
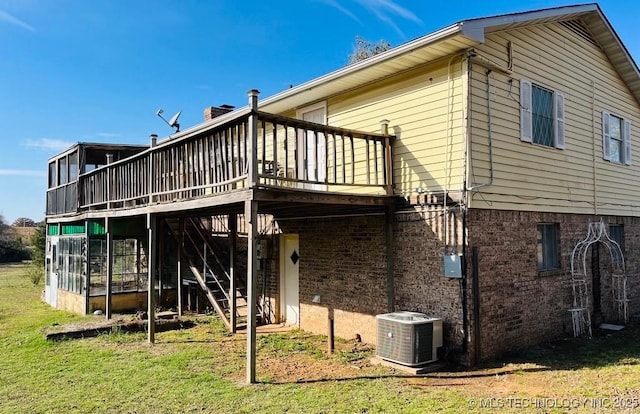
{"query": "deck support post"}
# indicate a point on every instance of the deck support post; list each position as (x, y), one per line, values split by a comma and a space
(109, 180)
(251, 214)
(159, 257)
(388, 157)
(389, 242)
(151, 268)
(179, 264)
(107, 300)
(153, 139)
(233, 229)
(252, 148)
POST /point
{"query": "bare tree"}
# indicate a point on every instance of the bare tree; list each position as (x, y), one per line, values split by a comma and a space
(24, 222)
(364, 49)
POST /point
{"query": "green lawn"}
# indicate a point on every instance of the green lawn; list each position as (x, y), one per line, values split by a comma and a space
(202, 370)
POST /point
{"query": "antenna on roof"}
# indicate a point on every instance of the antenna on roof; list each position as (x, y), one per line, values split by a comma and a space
(173, 122)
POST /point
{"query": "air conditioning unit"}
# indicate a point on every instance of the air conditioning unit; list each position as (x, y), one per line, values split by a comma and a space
(408, 338)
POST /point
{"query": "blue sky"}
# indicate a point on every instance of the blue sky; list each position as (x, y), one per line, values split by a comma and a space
(97, 71)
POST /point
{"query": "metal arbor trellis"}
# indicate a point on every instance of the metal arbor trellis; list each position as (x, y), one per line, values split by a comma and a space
(581, 311)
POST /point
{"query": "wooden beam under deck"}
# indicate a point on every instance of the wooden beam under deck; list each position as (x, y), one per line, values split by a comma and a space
(276, 201)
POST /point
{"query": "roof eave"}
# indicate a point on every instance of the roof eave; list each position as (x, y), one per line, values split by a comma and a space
(364, 64)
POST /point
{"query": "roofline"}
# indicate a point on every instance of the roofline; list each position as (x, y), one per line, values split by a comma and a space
(363, 64)
(618, 40)
(519, 17)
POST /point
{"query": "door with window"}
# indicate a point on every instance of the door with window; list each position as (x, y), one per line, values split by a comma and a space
(312, 155)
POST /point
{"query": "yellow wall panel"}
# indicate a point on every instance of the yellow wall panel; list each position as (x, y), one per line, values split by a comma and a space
(533, 177)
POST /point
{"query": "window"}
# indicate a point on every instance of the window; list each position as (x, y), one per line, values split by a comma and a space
(548, 248)
(62, 171)
(53, 179)
(616, 233)
(71, 269)
(129, 266)
(541, 115)
(73, 166)
(616, 139)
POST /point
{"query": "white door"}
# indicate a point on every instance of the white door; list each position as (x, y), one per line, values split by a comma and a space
(289, 279)
(51, 288)
(312, 148)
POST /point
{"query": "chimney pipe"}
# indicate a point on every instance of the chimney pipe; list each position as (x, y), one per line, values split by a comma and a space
(154, 140)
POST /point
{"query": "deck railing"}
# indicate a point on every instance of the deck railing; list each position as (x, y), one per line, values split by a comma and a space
(280, 153)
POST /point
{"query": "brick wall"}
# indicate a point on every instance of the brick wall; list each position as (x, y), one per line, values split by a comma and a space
(519, 306)
(344, 261)
(420, 282)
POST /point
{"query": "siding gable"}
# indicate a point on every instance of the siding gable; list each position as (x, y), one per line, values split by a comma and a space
(532, 177)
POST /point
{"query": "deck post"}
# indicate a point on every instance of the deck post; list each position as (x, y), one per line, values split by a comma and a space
(151, 267)
(161, 246)
(251, 213)
(233, 229)
(153, 140)
(388, 157)
(107, 299)
(252, 147)
(389, 242)
(179, 267)
(108, 184)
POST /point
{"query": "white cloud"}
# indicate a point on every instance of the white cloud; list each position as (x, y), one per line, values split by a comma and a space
(23, 173)
(387, 11)
(342, 9)
(8, 18)
(48, 144)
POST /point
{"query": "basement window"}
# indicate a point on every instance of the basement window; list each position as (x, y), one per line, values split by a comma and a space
(616, 233)
(548, 247)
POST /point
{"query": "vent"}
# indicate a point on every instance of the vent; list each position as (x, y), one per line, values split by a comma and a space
(577, 27)
(408, 338)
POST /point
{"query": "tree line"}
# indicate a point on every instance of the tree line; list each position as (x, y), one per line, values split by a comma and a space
(14, 249)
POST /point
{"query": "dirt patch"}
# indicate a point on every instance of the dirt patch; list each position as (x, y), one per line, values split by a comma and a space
(89, 329)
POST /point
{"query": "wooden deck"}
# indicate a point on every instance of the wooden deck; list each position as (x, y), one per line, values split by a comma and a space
(284, 162)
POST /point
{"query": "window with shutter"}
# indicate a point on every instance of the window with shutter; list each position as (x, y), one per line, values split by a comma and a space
(525, 111)
(605, 136)
(559, 142)
(626, 136)
(542, 115)
(616, 139)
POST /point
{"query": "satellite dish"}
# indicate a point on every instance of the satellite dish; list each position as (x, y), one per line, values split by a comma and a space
(173, 122)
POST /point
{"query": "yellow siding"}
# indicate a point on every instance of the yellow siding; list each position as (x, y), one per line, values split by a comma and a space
(425, 109)
(533, 177)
